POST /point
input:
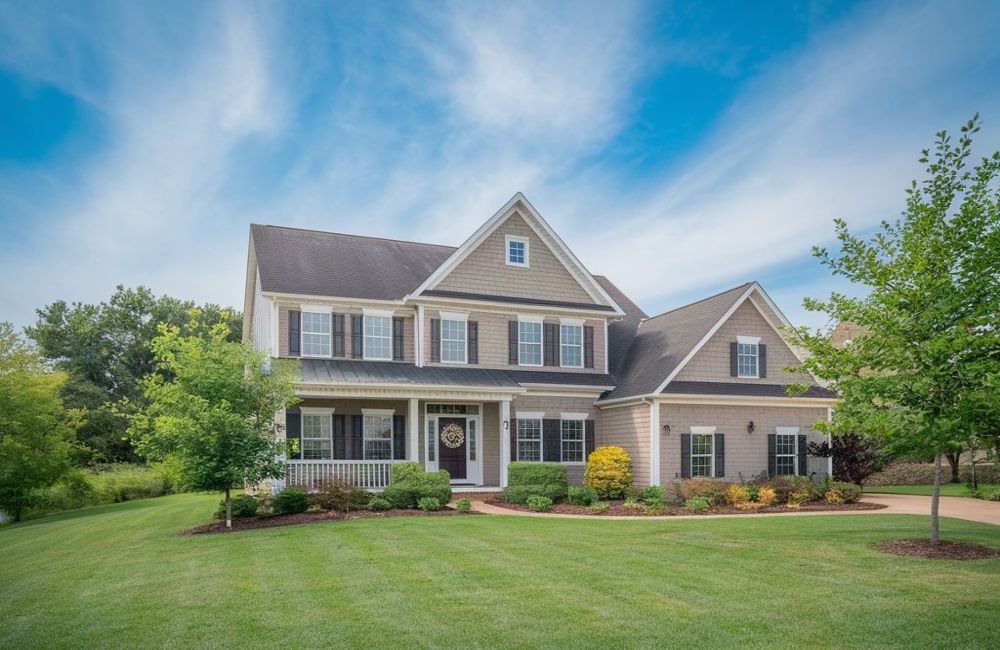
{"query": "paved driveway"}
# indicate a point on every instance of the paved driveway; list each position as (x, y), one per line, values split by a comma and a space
(987, 512)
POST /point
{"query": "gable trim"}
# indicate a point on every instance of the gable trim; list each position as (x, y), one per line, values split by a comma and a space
(569, 261)
(754, 287)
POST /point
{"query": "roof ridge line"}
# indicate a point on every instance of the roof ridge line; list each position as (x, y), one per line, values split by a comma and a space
(347, 234)
(691, 304)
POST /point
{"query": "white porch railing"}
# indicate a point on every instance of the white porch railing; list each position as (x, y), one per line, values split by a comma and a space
(311, 474)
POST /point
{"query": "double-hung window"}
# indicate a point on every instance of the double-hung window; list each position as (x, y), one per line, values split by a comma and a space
(702, 454)
(378, 336)
(529, 343)
(746, 356)
(785, 453)
(529, 439)
(571, 345)
(571, 439)
(454, 343)
(317, 436)
(517, 251)
(377, 433)
(315, 333)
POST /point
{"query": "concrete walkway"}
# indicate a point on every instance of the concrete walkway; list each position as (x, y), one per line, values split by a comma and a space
(986, 512)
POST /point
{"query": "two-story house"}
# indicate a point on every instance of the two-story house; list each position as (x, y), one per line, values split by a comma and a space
(507, 348)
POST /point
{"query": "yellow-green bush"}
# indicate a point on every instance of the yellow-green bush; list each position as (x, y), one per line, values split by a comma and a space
(737, 496)
(609, 472)
(766, 496)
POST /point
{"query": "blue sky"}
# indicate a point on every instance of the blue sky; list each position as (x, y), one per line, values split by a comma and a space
(679, 148)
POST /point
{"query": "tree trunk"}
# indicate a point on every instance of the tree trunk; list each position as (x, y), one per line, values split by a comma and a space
(936, 500)
(953, 459)
(229, 509)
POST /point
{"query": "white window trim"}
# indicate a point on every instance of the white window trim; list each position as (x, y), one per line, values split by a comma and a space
(364, 434)
(379, 313)
(460, 318)
(788, 431)
(315, 410)
(748, 340)
(572, 323)
(506, 251)
(704, 431)
(573, 417)
(315, 309)
(540, 418)
(540, 321)
(378, 412)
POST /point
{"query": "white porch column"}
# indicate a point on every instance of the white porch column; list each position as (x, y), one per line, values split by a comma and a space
(654, 443)
(413, 436)
(504, 440)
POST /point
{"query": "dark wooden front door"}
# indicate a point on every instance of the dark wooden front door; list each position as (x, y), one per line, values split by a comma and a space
(452, 459)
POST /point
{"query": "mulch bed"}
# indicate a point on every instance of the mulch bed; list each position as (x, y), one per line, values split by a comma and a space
(275, 521)
(923, 548)
(617, 509)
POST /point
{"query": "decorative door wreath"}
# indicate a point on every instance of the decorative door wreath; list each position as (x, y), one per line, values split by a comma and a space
(452, 436)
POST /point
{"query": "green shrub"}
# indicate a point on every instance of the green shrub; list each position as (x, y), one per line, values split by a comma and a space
(849, 492)
(334, 494)
(582, 495)
(410, 483)
(103, 484)
(428, 504)
(378, 504)
(463, 505)
(599, 507)
(699, 504)
(791, 488)
(539, 503)
(530, 479)
(359, 498)
(656, 493)
(290, 501)
(244, 505)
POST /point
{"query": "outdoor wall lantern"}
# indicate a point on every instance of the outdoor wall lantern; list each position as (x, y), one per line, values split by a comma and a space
(666, 429)
(750, 427)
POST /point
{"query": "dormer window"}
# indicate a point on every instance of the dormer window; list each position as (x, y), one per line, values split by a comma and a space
(517, 251)
(748, 356)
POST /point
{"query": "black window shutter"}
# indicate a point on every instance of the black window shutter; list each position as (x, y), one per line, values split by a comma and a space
(762, 360)
(720, 455)
(294, 332)
(551, 452)
(339, 437)
(435, 340)
(685, 455)
(358, 438)
(513, 440)
(588, 346)
(397, 339)
(338, 335)
(551, 337)
(512, 342)
(293, 431)
(734, 370)
(803, 463)
(357, 336)
(772, 451)
(399, 437)
(473, 341)
(588, 439)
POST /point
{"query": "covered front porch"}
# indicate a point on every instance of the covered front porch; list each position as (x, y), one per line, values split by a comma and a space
(357, 439)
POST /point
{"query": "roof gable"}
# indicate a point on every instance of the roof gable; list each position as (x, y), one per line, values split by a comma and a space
(479, 265)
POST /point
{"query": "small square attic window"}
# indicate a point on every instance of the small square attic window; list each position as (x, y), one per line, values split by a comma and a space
(517, 251)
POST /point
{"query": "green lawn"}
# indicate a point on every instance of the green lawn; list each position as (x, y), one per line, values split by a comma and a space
(947, 490)
(118, 575)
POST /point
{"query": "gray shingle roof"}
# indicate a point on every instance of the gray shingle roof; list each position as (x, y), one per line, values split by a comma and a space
(621, 331)
(318, 263)
(727, 388)
(662, 342)
(349, 371)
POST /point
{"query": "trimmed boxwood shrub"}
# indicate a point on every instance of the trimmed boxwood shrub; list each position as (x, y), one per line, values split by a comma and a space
(463, 505)
(582, 495)
(428, 503)
(244, 505)
(410, 483)
(290, 501)
(530, 479)
(378, 504)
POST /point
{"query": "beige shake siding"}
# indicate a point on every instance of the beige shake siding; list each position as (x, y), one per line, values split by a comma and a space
(711, 363)
(485, 269)
(406, 314)
(553, 408)
(493, 341)
(628, 427)
(746, 453)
